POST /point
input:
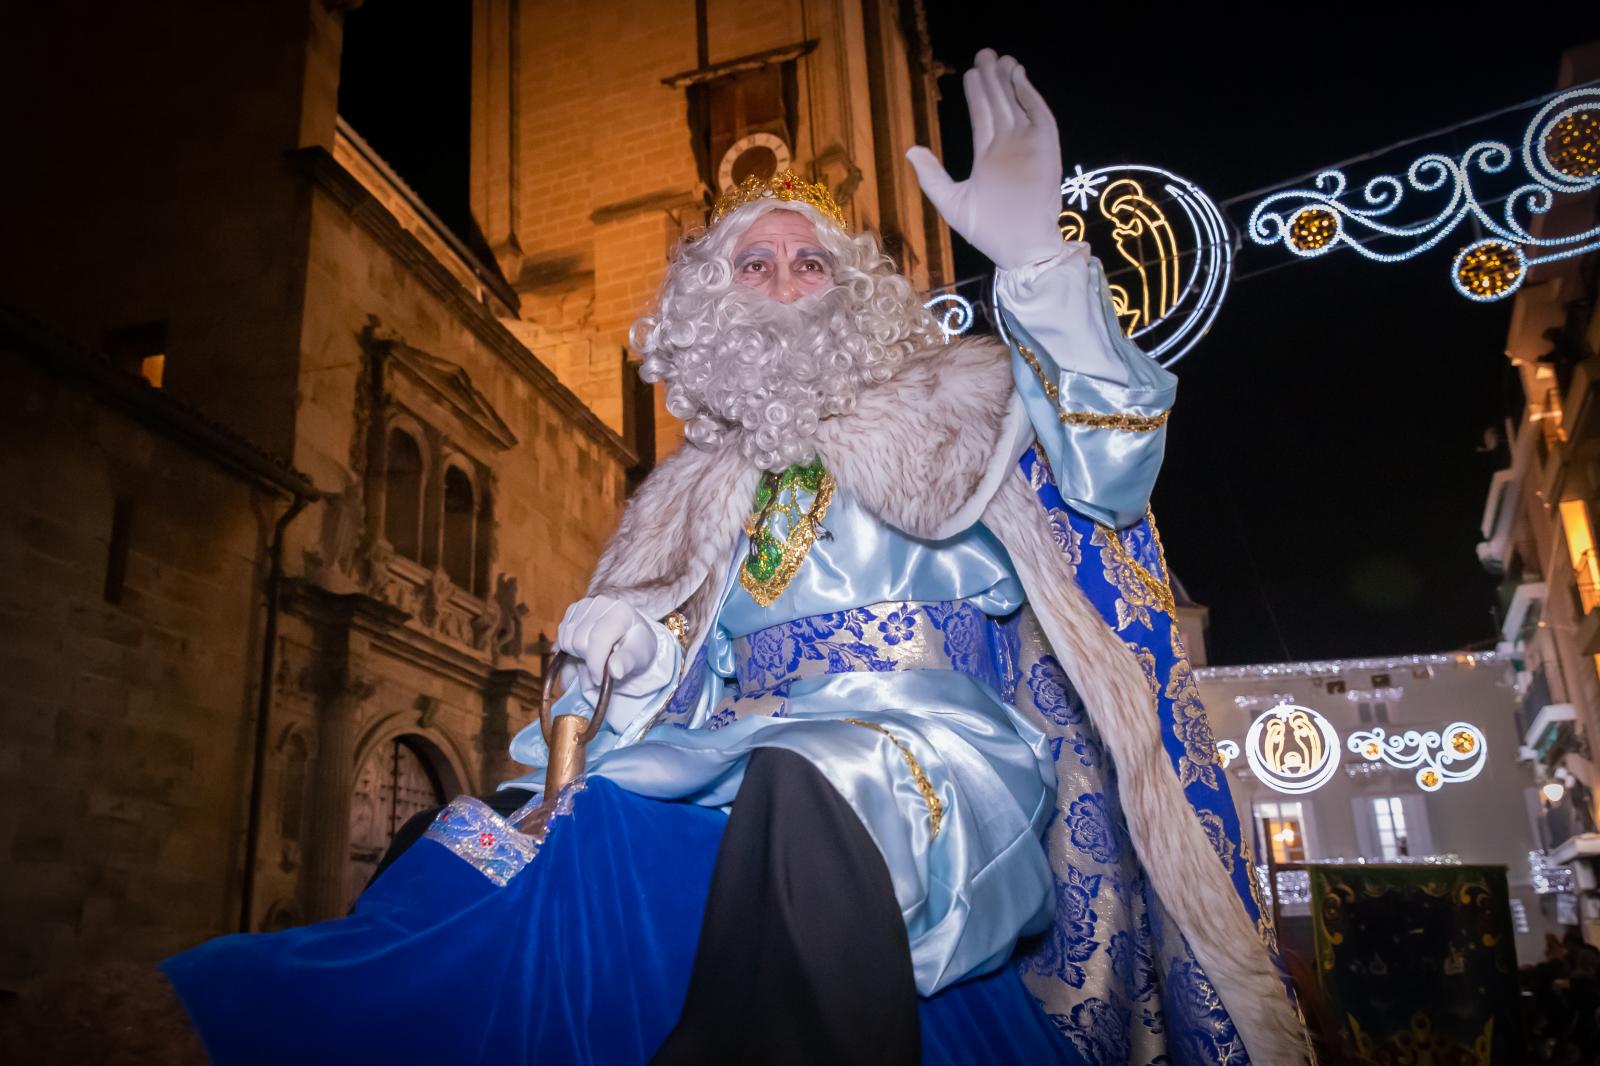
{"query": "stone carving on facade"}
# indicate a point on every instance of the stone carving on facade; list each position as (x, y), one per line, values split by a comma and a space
(334, 563)
(838, 172)
(506, 638)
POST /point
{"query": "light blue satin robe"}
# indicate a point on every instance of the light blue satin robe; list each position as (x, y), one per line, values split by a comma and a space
(968, 890)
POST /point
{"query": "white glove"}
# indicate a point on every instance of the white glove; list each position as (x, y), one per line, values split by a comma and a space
(1008, 208)
(592, 627)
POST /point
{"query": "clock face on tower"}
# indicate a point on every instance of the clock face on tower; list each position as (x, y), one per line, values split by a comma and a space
(759, 155)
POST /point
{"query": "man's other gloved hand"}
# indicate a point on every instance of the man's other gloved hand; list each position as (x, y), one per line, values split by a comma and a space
(592, 627)
(1007, 208)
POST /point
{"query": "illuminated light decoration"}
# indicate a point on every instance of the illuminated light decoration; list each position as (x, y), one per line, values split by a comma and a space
(1547, 878)
(1292, 749)
(1335, 667)
(953, 312)
(1179, 261)
(1489, 269)
(1080, 187)
(1227, 751)
(1313, 230)
(1559, 154)
(1573, 144)
(1387, 694)
(1450, 755)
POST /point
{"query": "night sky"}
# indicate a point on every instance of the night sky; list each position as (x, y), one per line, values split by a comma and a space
(1321, 492)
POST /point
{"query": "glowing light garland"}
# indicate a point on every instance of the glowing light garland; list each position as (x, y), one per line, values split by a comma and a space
(1334, 667)
(1560, 152)
(1181, 262)
(954, 313)
(1433, 754)
(1292, 749)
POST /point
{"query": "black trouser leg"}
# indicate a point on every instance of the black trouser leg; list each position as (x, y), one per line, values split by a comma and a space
(803, 955)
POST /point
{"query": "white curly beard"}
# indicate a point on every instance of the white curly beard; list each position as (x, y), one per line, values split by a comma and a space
(765, 371)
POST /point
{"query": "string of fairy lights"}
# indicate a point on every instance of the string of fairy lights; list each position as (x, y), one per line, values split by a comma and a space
(1175, 247)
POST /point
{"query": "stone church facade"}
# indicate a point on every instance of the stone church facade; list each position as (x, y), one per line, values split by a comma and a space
(296, 484)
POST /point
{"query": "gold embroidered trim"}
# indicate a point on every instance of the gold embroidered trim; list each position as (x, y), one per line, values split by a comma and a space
(1126, 422)
(924, 786)
(1157, 587)
(678, 625)
(795, 548)
(1032, 360)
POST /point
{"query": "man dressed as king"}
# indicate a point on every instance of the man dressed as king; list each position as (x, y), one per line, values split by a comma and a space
(902, 759)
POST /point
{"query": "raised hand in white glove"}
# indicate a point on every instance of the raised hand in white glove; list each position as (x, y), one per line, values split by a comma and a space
(1007, 209)
(592, 627)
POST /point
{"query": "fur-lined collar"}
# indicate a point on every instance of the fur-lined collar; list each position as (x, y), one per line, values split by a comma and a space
(924, 452)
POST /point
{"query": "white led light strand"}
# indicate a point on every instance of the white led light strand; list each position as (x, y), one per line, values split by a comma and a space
(1313, 222)
(954, 313)
(1335, 667)
(1434, 755)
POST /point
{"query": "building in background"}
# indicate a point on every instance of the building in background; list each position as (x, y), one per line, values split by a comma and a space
(294, 478)
(1539, 527)
(601, 127)
(1323, 767)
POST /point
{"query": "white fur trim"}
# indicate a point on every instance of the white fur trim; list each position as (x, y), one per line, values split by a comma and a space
(920, 451)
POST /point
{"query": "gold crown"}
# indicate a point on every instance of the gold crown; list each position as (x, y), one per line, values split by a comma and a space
(785, 185)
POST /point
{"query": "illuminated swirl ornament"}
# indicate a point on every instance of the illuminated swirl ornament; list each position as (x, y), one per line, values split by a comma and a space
(1447, 756)
(1560, 153)
(1227, 751)
(1292, 749)
(1165, 246)
(953, 312)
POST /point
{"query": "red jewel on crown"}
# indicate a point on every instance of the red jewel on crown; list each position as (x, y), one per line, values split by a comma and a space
(485, 839)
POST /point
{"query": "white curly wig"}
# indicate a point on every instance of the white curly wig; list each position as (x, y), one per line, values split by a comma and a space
(739, 364)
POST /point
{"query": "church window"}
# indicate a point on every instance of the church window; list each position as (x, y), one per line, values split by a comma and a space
(402, 520)
(460, 530)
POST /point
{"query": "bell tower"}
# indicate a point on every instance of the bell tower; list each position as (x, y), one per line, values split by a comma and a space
(603, 129)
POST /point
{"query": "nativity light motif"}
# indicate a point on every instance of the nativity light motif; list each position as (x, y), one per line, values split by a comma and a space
(1560, 153)
(1165, 247)
(1292, 749)
(1295, 750)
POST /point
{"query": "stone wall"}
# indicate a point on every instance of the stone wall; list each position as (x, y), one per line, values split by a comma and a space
(125, 756)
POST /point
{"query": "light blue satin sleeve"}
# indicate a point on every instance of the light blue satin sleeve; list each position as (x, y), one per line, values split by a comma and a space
(862, 561)
(1106, 473)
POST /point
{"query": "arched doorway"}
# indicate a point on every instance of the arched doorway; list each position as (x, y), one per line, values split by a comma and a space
(397, 779)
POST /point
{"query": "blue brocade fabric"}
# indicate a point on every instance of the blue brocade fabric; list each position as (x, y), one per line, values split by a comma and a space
(581, 956)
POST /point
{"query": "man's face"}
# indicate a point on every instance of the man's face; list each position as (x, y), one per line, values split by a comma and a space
(780, 257)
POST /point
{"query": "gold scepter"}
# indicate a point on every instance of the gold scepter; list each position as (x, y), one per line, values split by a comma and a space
(567, 737)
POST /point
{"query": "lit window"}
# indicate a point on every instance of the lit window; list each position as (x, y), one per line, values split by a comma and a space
(1281, 824)
(1391, 821)
(1580, 550)
(152, 367)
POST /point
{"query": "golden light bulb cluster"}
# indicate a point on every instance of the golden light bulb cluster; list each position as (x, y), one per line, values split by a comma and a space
(1489, 269)
(1313, 229)
(1573, 144)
